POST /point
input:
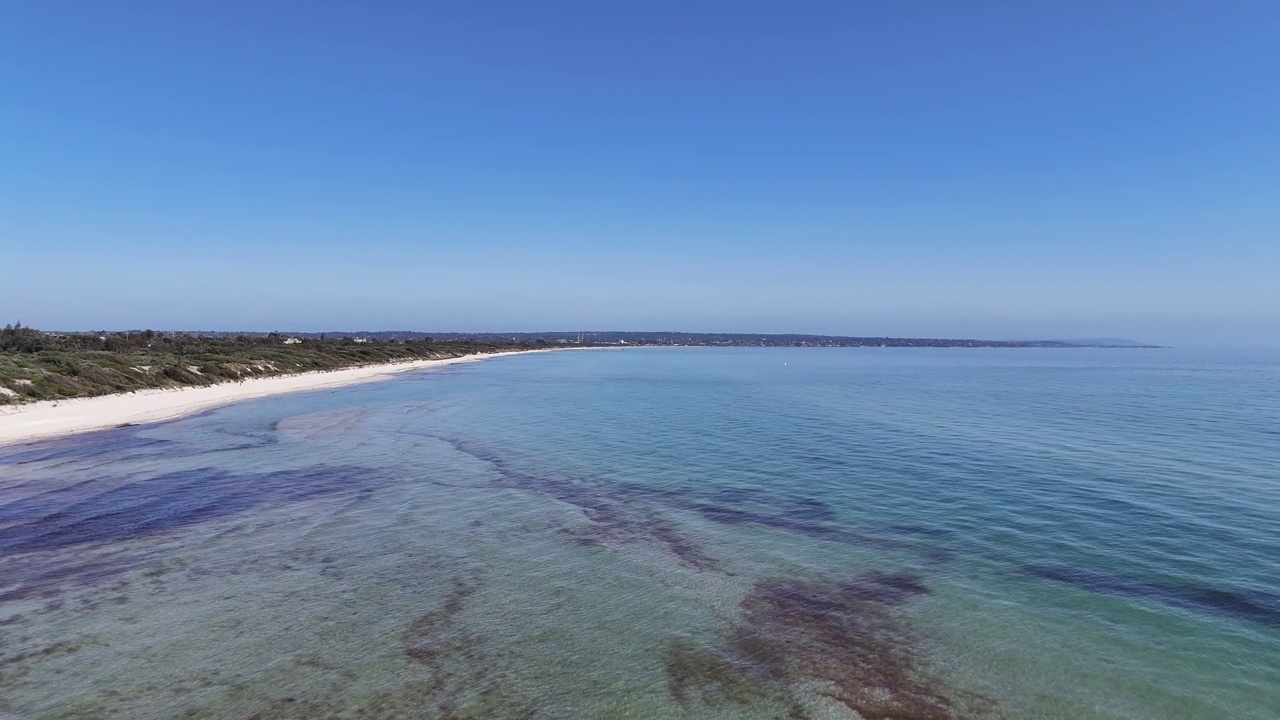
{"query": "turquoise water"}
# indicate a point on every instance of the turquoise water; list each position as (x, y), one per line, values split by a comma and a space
(683, 533)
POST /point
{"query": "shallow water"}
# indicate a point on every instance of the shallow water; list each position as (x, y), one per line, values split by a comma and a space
(700, 533)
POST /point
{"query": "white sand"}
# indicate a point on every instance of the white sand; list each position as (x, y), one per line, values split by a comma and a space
(54, 418)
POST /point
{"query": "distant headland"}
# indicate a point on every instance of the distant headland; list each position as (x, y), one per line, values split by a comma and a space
(672, 338)
(691, 339)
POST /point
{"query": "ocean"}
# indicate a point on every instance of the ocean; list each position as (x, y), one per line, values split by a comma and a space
(912, 534)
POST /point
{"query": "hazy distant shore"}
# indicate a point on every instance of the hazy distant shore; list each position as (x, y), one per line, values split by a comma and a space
(57, 418)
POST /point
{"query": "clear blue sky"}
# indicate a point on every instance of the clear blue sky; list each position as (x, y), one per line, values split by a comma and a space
(999, 169)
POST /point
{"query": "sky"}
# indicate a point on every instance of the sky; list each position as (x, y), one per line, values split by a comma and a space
(985, 169)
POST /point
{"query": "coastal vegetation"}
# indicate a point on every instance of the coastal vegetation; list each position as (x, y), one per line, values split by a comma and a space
(36, 365)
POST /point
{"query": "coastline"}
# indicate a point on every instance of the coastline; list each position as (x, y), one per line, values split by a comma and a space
(49, 419)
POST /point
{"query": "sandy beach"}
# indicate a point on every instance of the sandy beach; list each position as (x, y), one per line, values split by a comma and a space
(55, 418)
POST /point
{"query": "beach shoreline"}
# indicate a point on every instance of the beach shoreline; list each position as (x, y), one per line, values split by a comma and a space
(50, 419)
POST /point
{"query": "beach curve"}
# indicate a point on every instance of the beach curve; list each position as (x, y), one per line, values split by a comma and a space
(48, 419)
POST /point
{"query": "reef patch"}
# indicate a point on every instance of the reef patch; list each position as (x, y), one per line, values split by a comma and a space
(460, 682)
(427, 638)
(715, 675)
(112, 509)
(616, 511)
(77, 536)
(609, 519)
(1262, 608)
(118, 443)
(845, 638)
